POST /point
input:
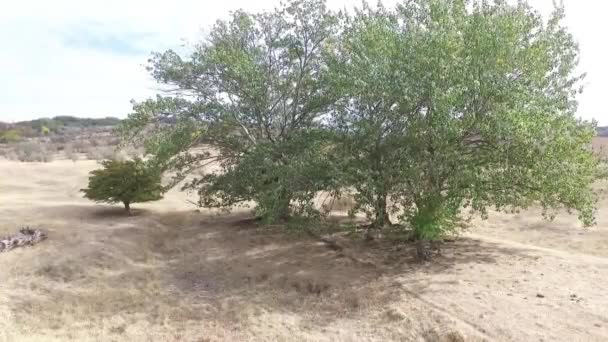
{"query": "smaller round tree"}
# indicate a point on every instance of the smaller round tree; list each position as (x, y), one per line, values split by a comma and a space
(127, 182)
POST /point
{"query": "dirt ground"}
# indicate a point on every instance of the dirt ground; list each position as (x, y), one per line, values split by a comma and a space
(170, 273)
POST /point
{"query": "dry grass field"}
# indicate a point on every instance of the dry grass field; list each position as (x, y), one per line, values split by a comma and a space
(170, 273)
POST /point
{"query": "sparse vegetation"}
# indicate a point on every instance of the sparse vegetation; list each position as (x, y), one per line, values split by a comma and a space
(32, 152)
(126, 182)
(57, 138)
(100, 152)
(43, 127)
(10, 136)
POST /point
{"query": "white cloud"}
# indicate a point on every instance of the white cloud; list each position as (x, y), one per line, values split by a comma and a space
(48, 65)
(54, 61)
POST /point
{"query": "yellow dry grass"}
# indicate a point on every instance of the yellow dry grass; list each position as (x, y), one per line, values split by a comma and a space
(170, 273)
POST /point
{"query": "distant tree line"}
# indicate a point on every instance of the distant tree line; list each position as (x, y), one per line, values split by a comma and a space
(15, 132)
(602, 131)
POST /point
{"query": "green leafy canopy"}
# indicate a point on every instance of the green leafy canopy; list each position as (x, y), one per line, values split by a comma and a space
(130, 181)
(247, 93)
(422, 111)
(463, 104)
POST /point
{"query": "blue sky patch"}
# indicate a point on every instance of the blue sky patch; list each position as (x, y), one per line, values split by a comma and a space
(102, 38)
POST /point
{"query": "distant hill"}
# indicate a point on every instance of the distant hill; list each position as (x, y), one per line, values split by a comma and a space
(602, 131)
(61, 137)
(11, 132)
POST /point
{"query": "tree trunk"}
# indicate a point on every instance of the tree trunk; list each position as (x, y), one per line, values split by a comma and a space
(428, 230)
(283, 206)
(382, 217)
(423, 252)
(127, 207)
(283, 210)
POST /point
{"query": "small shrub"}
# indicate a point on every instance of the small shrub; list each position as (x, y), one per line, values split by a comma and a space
(100, 153)
(69, 152)
(32, 152)
(9, 154)
(11, 136)
(59, 139)
(113, 141)
(125, 182)
(81, 146)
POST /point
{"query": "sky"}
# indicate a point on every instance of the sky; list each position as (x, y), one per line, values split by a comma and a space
(87, 58)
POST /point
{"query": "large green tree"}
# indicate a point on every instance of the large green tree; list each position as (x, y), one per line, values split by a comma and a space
(253, 91)
(431, 110)
(454, 104)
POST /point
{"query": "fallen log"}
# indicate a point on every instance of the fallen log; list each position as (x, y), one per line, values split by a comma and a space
(25, 237)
